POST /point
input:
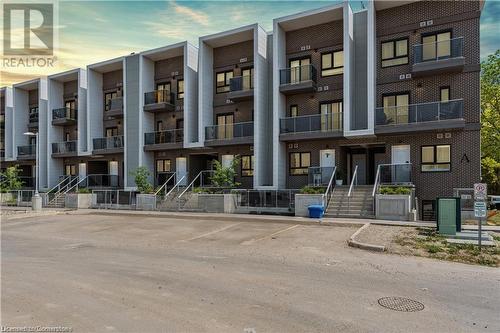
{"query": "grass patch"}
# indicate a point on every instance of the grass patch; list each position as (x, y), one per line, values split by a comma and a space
(494, 217)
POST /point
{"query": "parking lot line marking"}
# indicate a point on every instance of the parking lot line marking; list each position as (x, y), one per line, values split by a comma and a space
(211, 232)
(251, 241)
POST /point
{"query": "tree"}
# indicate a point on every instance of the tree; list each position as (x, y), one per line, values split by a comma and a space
(10, 179)
(224, 176)
(141, 177)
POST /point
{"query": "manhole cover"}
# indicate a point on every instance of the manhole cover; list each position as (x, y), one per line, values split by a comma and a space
(400, 304)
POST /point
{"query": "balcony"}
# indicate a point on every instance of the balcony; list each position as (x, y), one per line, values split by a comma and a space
(229, 134)
(241, 88)
(27, 182)
(64, 149)
(26, 152)
(97, 181)
(33, 120)
(114, 107)
(159, 101)
(420, 117)
(109, 145)
(314, 126)
(64, 116)
(300, 79)
(445, 56)
(170, 139)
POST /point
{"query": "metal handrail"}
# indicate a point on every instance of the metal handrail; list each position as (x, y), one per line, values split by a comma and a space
(190, 184)
(354, 177)
(377, 179)
(176, 185)
(165, 184)
(76, 185)
(329, 189)
(58, 186)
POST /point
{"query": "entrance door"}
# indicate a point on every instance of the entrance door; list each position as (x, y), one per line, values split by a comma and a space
(181, 169)
(82, 170)
(327, 163)
(360, 161)
(113, 174)
(400, 155)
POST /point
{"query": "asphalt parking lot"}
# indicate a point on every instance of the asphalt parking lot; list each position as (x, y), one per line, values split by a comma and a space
(97, 273)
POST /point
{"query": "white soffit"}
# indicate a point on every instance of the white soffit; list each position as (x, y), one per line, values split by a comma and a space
(386, 4)
(230, 37)
(108, 65)
(311, 17)
(28, 85)
(171, 51)
(71, 75)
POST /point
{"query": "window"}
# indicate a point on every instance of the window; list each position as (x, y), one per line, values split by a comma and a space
(225, 126)
(444, 94)
(180, 89)
(70, 170)
(332, 63)
(247, 164)
(436, 158)
(163, 86)
(395, 52)
(429, 210)
(33, 114)
(331, 116)
(299, 163)
(111, 131)
(247, 77)
(436, 46)
(294, 110)
(163, 166)
(32, 140)
(396, 108)
(223, 79)
(299, 70)
(107, 99)
(159, 126)
(67, 136)
(70, 105)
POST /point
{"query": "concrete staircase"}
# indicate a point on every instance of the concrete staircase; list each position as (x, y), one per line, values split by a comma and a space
(57, 201)
(359, 205)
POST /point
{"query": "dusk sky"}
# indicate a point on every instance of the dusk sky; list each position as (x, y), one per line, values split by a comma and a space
(92, 31)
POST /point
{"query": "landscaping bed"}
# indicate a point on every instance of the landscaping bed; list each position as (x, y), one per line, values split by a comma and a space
(425, 242)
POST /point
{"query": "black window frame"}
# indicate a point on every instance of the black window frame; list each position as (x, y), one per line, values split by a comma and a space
(252, 71)
(290, 168)
(164, 83)
(435, 33)
(180, 94)
(226, 82)
(71, 166)
(434, 158)
(107, 106)
(290, 112)
(441, 91)
(112, 128)
(244, 171)
(333, 67)
(394, 41)
(163, 161)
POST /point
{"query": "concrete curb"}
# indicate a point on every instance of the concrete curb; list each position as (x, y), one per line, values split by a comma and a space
(365, 246)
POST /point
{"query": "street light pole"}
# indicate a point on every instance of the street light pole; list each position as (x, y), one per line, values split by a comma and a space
(37, 164)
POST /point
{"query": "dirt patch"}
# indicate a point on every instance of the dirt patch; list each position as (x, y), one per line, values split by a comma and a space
(425, 242)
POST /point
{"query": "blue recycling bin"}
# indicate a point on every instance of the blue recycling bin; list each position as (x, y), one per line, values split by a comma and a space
(316, 211)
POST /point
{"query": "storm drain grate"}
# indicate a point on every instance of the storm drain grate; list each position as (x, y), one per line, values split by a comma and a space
(401, 304)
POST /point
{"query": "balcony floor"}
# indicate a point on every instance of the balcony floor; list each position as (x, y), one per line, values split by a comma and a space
(433, 67)
(159, 107)
(298, 88)
(240, 95)
(63, 122)
(248, 140)
(163, 146)
(310, 135)
(421, 127)
(107, 151)
(67, 154)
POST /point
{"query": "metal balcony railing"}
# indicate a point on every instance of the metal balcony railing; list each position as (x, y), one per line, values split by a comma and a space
(103, 180)
(114, 104)
(112, 142)
(33, 117)
(26, 150)
(229, 131)
(330, 122)
(169, 136)
(64, 113)
(445, 49)
(241, 83)
(159, 96)
(419, 113)
(298, 74)
(64, 147)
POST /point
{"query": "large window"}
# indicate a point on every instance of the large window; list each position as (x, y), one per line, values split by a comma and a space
(396, 108)
(180, 89)
(70, 170)
(70, 105)
(294, 110)
(163, 89)
(225, 126)
(163, 166)
(436, 46)
(299, 70)
(436, 158)
(444, 93)
(331, 116)
(247, 77)
(107, 99)
(299, 163)
(163, 86)
(332, 63)
(247, 164)
(395, 52)
(223, 79)
(111, 131)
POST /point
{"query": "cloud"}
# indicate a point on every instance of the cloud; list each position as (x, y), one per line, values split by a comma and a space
(197, 17)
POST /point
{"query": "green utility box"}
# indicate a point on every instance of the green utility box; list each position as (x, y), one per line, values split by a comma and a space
(448, 216)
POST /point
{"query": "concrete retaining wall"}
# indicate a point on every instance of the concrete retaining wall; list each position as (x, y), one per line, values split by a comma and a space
(145, 202)
(215, 203)
(78, 200)
(302, 201)
(393, 207)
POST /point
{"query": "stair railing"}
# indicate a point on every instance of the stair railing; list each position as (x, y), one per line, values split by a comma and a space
(349, 194)
(330, 188)
(164, 187)
(190, 184)
(63, 189)
(375, 187)
(59, 185)
(77, 185)
(176, 185)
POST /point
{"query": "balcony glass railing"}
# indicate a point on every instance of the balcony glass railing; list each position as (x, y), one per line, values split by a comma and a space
(112, 142)
(114, 104)
(64, 147)
(330, 122)
(419, 113)
(390, 174)
(103, 180)
(320, 176)
(159, 96)
(229, 131)
(26, 150)
(64, 113)
(298, 74)
(240, 83)
(169, 136)
(444, 49)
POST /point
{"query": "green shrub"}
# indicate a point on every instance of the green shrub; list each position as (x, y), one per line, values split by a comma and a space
(312, 190)
(10, 179)
(84, 191)
(224, 176)
(141, 175)
(394, 190)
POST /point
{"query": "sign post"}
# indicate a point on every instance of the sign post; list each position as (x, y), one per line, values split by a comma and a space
(480, 195)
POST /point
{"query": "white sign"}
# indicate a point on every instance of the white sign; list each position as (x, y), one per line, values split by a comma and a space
(480, 191)
(480, 209)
